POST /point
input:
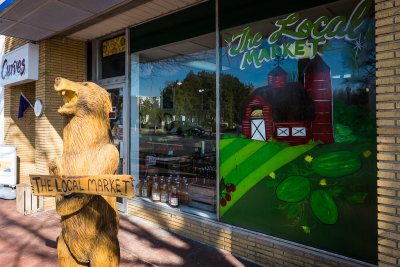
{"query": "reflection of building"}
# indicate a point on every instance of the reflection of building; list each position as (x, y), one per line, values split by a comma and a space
(289, 111)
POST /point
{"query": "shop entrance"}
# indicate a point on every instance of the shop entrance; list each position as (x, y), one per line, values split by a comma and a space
(117, 130)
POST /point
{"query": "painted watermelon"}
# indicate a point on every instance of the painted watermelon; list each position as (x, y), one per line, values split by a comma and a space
(293, 189)
(336, 164)
(324, 207)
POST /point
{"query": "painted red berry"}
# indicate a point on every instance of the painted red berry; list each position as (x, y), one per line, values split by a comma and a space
(228, 189)
(228, 197)
(233, 188)
(223, 202)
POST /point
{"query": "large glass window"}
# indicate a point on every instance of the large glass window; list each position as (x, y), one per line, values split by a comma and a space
(297, 148)
(173, 122)
(298, 124)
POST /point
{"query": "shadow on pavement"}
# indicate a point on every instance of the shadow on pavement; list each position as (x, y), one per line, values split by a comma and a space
(32, 241)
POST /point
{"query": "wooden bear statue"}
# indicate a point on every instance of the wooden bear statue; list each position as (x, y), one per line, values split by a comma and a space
(89, 223)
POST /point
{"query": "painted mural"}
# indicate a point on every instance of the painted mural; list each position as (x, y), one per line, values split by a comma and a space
(298, 161)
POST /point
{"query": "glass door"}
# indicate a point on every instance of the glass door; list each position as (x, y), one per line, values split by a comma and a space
(117, 131)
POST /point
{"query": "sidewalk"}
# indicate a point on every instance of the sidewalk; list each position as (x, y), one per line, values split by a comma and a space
(30, 241)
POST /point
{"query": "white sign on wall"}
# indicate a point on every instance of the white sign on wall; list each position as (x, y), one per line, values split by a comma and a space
(8, 165)
(20, 65)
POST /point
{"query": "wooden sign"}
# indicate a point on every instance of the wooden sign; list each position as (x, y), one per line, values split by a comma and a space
(105, 185)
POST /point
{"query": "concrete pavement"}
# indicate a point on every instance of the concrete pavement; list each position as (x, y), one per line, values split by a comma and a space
(30, 241)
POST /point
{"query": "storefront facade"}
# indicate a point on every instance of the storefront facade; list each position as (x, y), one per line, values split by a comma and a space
(270, 140)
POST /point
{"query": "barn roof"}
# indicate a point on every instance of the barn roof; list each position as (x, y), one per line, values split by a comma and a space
(289, 103)
(317, 64)
(278, 71)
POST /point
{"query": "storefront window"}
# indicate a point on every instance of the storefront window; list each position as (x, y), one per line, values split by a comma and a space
(298, 147)
(173, 121)
(113, 57)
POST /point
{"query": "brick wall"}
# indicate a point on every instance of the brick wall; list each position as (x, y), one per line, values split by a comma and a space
(256, 247)
(57, 57)
(11, 43)
(388, 113)
(39, 140)
(20, 132)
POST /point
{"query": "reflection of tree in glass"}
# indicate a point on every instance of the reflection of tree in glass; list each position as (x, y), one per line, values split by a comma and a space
(195, 97)
(234, 94)
(189, 97)
(150, 68)
(149, 110)
(363, 61)
(167, 96)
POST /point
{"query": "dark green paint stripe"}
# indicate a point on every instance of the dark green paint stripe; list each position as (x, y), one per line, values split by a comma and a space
(251, 163)
(232, 148)
(236, 159)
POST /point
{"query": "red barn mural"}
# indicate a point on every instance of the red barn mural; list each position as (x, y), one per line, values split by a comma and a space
(290, 111)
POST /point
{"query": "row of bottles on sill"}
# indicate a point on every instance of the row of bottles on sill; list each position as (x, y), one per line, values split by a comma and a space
(174, 191)
(207, 172)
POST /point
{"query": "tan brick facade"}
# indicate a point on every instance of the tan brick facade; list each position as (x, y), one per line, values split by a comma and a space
(39, 140)
(257, 247)
(20, 132)
(388, 113)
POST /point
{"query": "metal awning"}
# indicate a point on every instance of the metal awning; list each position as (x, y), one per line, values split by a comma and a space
(84, 20)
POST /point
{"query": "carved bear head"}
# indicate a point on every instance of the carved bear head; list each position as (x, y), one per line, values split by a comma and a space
(82, 98)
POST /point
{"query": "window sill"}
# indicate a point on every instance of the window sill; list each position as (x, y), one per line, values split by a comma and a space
(145, 202)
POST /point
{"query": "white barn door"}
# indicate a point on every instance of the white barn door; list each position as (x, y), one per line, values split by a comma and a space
(258, 130)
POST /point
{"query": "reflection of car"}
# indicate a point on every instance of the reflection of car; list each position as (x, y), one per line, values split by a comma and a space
(195, 131)
(185, 128)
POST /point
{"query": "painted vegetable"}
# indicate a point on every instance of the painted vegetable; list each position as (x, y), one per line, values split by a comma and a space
(337, 164)
(324, 207)
(293, 189)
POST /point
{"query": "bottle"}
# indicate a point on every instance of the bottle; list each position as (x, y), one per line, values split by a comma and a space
(185, 194)
(155, 179)
(174, 200)
(138, 188)
(156, 193)
(169, 188)
(164, 193)
(146, 189)
(179, 191)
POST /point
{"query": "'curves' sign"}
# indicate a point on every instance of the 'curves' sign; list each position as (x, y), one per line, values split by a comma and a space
(20, 65)
(14, 68)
